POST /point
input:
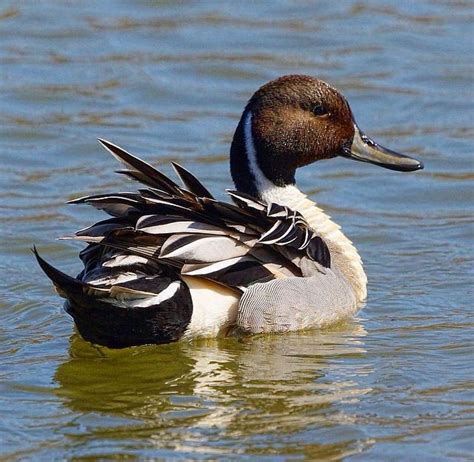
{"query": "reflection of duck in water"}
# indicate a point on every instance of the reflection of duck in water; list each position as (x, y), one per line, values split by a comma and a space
(173, 393)
(175, 262)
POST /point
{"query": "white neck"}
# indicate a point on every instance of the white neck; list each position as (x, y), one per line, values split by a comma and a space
(344, 255)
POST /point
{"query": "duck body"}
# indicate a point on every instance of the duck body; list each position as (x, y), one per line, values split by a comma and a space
(173, 262)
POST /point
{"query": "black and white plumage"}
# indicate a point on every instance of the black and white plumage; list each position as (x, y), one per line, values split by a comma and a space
(174, 262)
(136, 260)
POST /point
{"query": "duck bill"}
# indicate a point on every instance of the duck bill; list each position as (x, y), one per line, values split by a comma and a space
(364, 149)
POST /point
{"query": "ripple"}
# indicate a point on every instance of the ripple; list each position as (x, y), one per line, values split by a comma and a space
(169, 80)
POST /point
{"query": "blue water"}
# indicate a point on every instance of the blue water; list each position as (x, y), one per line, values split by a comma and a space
(168, 80)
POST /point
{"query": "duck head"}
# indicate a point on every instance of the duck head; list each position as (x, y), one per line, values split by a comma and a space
(294, 121)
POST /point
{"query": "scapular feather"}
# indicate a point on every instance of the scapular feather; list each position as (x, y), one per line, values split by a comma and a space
(149, 174)
(165, 230)
(126, 196)
(189, 248)
(246, 200)
(235, 272)
(191, 182)
(101, 228)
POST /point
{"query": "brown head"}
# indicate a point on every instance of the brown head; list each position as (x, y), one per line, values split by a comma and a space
(294, 121)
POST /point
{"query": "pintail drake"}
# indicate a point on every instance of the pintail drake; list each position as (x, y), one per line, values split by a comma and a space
(173, 262)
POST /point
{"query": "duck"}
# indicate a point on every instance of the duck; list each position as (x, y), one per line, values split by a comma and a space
(172, 262)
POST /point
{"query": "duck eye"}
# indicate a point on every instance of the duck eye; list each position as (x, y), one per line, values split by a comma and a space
(319, 110)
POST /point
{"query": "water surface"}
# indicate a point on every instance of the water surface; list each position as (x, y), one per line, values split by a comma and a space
(167, 80)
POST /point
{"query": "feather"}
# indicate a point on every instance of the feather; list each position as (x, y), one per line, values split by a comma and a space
(289, 237)
(298, 240)
(307, 238)
(125, 260)
(318, 250)
(134, 240)
(234, 272)
(226, 212)
(115, 205)
(189, 248)
(246, 200)
(65, 284)
(158, 224)
(169, 207)
(101, 228)
(269, 233)
(180, 208)
(151, 193)
(144, 301)
(147, 174)
(231, 215)
(191, 182)
(277, 233)
(133, 197)
(114, 279)
(276, 210)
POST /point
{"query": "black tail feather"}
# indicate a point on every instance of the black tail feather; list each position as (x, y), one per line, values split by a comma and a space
(59, 279)
(67, 286)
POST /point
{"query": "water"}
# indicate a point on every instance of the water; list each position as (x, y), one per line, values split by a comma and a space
(168, 80)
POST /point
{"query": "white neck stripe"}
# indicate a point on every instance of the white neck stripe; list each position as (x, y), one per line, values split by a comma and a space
(267, 190)
(262, 183)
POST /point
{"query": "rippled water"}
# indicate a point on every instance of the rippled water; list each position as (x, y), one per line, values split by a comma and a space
(168, 80)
